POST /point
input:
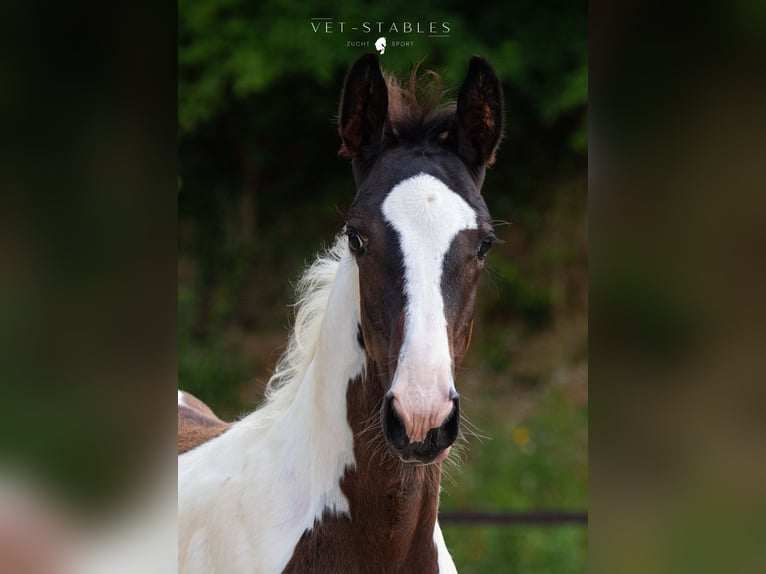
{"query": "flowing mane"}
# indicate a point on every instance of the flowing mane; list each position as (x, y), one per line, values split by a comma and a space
(312, 292)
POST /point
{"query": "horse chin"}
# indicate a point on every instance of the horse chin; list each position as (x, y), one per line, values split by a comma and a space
(423, 461)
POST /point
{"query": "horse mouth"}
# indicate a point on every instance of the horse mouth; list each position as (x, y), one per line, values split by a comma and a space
(416, 456)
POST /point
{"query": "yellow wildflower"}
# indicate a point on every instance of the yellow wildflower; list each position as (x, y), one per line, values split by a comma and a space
(521, 436)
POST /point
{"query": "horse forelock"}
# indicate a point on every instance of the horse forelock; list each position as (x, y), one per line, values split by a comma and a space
(418, 110)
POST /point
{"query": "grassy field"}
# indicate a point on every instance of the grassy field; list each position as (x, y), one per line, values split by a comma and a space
(531, 460)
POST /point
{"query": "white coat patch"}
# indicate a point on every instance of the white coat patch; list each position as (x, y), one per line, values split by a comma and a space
(427, 216)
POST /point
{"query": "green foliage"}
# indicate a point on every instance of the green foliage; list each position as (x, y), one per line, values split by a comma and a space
(527, 298)
(213, 363)
(232, 49)
(518, 550)
(537, 463)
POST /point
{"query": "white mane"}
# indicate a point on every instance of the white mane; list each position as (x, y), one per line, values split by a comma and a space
(312, 292)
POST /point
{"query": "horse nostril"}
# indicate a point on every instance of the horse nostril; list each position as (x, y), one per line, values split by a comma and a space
(393, 426)
(450, 428)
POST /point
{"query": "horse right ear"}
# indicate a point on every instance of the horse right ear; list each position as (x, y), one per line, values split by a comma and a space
(479, 116)
(363, 107)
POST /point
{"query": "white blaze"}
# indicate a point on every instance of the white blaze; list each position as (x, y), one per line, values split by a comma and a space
(427, 216)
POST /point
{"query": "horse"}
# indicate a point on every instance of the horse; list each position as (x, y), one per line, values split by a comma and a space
(339, 471)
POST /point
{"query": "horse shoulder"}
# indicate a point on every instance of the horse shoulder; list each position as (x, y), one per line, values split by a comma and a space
(197, 423)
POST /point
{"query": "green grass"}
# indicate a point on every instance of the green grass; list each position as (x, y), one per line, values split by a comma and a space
(518, 549)
(538, 462)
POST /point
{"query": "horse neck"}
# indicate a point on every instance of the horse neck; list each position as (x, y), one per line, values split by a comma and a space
(335, 417)
(401, 499)
(314, 424)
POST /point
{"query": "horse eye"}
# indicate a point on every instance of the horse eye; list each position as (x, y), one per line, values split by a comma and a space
(486, 243)
(355, 242)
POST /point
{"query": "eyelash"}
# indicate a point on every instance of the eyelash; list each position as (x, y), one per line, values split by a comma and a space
(356, 242)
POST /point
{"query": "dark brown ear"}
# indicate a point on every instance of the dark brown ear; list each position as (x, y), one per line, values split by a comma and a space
(363, 107)
(479, 116)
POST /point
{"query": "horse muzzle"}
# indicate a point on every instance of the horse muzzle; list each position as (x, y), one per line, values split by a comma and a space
(433, 447)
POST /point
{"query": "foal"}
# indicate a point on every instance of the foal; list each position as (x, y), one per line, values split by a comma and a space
(339, 471)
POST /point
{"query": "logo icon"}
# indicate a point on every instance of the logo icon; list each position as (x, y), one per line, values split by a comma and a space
(380, 45)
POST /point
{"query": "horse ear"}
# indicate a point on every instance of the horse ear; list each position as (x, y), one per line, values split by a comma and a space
(479, 116)
(363, 107)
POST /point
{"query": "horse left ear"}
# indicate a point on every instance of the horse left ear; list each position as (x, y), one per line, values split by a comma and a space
(363, 107)
(479, 116)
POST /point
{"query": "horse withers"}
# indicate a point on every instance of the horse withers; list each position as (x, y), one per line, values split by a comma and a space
(339, 471)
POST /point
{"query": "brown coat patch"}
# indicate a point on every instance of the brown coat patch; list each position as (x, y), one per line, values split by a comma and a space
(393, 506)
(197, 423)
